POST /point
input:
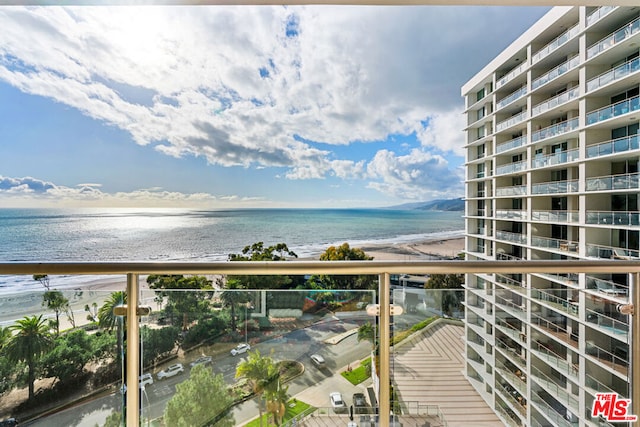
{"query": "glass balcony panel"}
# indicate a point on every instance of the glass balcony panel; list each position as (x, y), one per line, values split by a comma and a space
(611, 182)
(508, 145)
(511, 121)
(555, 101)
(555, 72)
(516, 190)
(616, 37)
(599, 13)
(614, 74)
(511, 168)
(618, 109)
(519, 93)
(554, 130)
(511, 74)
(557, 42)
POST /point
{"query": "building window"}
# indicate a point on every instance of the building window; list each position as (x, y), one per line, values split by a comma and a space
(480, 94)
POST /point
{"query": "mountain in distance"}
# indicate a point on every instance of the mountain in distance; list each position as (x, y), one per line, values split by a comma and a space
(434, 205)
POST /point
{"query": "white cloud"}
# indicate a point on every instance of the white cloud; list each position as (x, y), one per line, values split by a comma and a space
(227, 84)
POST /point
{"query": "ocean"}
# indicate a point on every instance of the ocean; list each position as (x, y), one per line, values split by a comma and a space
(109, 234)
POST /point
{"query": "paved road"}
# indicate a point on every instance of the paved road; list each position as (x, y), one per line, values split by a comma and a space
(297, 345)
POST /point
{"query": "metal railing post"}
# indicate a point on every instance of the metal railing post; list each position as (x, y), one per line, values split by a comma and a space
(385, 344)
(133, 351)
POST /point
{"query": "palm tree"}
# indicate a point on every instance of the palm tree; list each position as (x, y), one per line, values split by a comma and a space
(277, 402)
(5, 336)
(30, 341)
(108, 320)
(261, 372)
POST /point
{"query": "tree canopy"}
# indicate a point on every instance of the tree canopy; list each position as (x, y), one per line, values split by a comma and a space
(259, 252)
(343, 253)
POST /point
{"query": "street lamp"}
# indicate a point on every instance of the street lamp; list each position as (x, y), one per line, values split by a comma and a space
(246, 336)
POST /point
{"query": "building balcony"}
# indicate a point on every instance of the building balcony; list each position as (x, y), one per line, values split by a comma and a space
(558, 217)
(614, 146)
(553, 410)
(555, 159)
(614, 218)
(607, 287)
(555, 101)
(513, 396)
(597, 14)
(557, 303)
(555, 187)
(511, 237)
(271, 319)
(511, 74)
(516, 190)
(555, 130)
(511, 168)
(614, 110)
(558, 391)
(554, 326)
(614, 74)
(614, 38)
(619, 362)
(511, 144)
(518, 214)
(556, 72)
(607, 323)
(612, 252)
(555, 43)
(544, 351)
(512, 97)
(556, 244)
(512, 121)
(627, 181)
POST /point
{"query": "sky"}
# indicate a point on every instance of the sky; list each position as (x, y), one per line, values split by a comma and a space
(240, 107)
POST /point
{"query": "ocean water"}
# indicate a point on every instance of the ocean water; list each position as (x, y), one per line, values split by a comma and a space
(201, 235)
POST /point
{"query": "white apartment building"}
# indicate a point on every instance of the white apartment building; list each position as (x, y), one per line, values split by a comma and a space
(552, 145)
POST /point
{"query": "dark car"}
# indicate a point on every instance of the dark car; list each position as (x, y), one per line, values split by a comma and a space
(9, 422)
(360, 405)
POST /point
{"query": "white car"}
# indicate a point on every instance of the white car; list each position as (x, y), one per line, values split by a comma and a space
(240, 348)
(337, 402)
(143, 380)
(171, 371)
(202, 360)
(318, 360)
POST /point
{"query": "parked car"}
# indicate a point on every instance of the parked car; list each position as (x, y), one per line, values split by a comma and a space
(202, 360)
(171, 371)
(9, 422)
(337, 402)
(318, 360)
(145, 379)
(240, 348)
(360, 405)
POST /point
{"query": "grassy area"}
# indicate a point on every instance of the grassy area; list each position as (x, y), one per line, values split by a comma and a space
(359, 374)
(294, 407)
(398, 337)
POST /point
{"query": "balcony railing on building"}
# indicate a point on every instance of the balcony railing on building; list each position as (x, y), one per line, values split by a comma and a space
(555, 101)
(555, 158)
(513, 143)
(562, 217)
(595, 16)
(617, 73)
(511, 121)
(556, 72)
(544, 352)
(614, 218)
(511, 74)
(558, 244)
(614, 38)
(555, 130)
(614, 110)
(556, 43)
(555, 187)
(513, 96)
(619, 145)
(558, 391)
(612, 252)
(516, 190)
(627, 181)
(511, 214)
(558, 303)
(511, 237)
(511, 168)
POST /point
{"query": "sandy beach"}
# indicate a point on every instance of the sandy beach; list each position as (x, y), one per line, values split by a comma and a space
(16, 306)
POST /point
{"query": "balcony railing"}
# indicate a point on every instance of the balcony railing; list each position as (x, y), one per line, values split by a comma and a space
(555, 158)
(617, 73)
(556, 43)
(559, 392)
(508, 145)
(556, 72)
(127, 276)
(555, 187)
(516, 190)
(562, 304)
(511, 214)
(553, 359)
(561, 217)
(627, 181)
(512, 237)
(614, 110)
(511, 168)
(555, 101)
(614, 38)
(511, 74)
(558, 244)
(611, 252)
(607, 286)
(607, 323)
(615, 218)
(554, 130)
(513, 96)
(595, 16)
(520, 117)
(613, 146)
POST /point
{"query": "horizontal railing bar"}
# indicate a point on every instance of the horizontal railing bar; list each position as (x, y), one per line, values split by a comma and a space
(323, 267)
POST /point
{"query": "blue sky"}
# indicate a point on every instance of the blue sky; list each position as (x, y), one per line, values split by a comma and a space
(231, 107)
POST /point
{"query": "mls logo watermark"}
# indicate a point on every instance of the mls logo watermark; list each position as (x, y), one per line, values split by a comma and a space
(612, 408)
